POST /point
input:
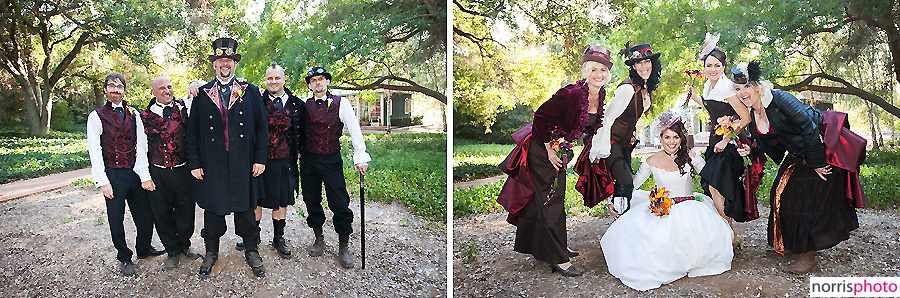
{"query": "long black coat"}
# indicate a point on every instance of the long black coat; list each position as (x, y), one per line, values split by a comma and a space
(228, 184)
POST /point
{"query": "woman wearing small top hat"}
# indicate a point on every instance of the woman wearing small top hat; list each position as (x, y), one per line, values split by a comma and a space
(817, 187)
(535, 206)
(614, 141)
(721, 178)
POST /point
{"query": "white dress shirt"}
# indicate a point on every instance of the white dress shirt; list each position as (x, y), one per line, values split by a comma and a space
(622, 97)
(348, 117)
(98, 168)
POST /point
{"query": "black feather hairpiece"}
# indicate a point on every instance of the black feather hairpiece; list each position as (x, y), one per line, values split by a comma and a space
(624, 52)
(754, 71)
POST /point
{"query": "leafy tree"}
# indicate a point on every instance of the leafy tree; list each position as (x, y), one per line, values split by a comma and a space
(40, 40)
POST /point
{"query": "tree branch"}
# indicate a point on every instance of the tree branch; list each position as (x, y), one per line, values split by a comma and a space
(848, 88)
(380, 83)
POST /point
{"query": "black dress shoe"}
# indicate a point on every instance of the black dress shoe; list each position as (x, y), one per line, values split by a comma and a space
(208, 262)
(171, 261)
(153, 252)
(571, 272)
(190, 254)
(573, 253)
(282, 249)
(255, 262)
(127, 269)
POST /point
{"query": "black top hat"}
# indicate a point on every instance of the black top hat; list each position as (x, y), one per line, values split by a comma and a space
(639, 52)
(317, 71)
(225, 48)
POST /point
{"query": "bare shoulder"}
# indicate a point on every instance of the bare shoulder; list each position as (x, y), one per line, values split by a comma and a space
(653, 159)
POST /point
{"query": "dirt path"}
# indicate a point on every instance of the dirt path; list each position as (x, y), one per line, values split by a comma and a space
(498, 271)
(57, 244)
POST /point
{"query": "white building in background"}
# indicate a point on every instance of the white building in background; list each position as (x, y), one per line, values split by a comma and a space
(391, 104)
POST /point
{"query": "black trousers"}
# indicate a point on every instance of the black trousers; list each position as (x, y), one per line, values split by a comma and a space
(173, 207)
(244, 225)
(126, 186)
(619, 165)
(316, 169)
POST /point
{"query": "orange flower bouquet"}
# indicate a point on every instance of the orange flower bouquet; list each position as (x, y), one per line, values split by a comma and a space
(727, 126)
(695, 77)
(660, 202)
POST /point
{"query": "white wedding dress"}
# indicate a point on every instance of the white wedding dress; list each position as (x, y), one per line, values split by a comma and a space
(645, 251)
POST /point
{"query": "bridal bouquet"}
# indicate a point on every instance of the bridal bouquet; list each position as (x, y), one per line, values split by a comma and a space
(726, 126)
(660, 202)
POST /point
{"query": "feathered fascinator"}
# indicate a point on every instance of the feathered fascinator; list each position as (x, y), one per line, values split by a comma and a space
(708, 45)
(624, 51)
(747, 72)
(665, 120)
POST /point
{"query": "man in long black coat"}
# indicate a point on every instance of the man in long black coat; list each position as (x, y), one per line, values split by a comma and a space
(227, 146)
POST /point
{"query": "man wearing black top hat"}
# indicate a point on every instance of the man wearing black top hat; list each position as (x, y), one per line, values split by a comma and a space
(165, 123)
(287, 119)
(117, 147)
(227, 142)
(320, 162)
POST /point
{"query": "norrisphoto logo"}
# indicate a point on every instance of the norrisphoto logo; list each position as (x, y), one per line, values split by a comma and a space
(854, 286)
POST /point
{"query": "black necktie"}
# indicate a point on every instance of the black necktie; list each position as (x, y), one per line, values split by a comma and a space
(167, 113)
(278, 104)
(121, 112)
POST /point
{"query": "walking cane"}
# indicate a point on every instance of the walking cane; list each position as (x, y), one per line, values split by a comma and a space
(362, 218)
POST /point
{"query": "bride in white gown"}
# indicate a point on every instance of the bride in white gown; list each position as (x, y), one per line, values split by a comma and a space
(645, 251)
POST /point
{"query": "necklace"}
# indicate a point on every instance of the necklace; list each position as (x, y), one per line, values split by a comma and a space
(669, 155)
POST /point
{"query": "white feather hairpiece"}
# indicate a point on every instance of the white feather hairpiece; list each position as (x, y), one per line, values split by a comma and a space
(708, 45)
(664, 121)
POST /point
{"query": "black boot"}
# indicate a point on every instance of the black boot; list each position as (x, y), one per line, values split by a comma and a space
(278, 240)
(344, 256)
(318, 247)
(255, 262)
(240, 245)
(208, 262)
(623, 192)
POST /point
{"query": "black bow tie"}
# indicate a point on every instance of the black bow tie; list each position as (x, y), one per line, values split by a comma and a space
(320, 101)
(279, 104)
(167, 113)
(120, 111)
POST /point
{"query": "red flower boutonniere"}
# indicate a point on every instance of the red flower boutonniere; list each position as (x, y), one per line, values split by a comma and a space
(237, 94)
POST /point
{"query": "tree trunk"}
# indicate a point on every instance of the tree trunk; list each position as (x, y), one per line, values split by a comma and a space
(875, 144)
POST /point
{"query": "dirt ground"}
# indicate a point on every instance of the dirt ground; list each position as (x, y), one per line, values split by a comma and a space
(498, 271)
(57, 244)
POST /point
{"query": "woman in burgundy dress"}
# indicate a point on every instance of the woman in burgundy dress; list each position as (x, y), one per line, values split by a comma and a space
(534, 166)
(817, 187)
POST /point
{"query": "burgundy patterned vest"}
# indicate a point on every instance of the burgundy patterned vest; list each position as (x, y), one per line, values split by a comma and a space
(119, 138)
(279, 130)
(166, 140)
(323, 126)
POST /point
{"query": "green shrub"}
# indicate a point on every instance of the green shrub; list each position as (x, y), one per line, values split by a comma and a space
(505, 124)
(409, 168)
(404, 121)
(61, 117)
(467, 171)
(22, 158)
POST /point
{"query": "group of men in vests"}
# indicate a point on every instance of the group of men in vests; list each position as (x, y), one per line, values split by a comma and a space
(230, 149)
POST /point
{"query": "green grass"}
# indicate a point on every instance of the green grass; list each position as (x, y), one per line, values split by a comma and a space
(473, 160)
(409, 168)
(28, 157)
